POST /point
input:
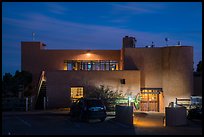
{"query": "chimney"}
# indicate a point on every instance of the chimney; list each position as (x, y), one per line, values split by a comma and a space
(129, 42)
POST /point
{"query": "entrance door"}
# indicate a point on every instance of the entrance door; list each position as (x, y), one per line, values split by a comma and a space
(149, 100)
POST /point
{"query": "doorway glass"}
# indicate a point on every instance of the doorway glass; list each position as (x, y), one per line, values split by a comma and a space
(149, 100)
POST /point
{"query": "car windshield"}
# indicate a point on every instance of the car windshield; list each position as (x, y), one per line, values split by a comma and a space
(94, 103)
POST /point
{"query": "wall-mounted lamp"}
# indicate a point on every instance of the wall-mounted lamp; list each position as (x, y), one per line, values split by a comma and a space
(129, 100)
(88, 53)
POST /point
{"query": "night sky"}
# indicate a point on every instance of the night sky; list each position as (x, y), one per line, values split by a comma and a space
(98, 25)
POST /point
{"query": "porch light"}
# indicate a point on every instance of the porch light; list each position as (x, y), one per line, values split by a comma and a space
(88, 53)
(129, 100)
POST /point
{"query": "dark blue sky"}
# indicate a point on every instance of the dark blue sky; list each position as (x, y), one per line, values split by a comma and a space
(98, 25)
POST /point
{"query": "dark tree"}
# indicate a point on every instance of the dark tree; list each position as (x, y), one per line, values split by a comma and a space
(7, 85)
(199, 66)
(7, 77)
(23, 78)
(108, 96)
(11, 83)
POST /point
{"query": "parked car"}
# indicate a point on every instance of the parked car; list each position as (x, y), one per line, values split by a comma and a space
(88, 108)
(195, 112)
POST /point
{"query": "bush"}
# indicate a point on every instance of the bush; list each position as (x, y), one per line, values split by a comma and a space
(109, 97)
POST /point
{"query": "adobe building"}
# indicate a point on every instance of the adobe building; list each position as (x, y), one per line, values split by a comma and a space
(158, 74)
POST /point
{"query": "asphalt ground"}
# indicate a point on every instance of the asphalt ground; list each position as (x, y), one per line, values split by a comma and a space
(60, 123)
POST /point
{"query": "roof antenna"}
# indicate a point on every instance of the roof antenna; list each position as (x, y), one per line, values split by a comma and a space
(166, 39)
(179, 43)
(152, 44)
(33, 35)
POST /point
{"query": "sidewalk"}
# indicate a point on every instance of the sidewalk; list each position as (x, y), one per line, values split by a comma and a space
(148, 119)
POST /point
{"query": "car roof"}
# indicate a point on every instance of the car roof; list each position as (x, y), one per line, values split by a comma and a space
(91, 99)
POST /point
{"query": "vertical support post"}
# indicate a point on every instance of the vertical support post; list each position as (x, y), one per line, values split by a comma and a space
(147, 102)
(158, 103)
(44, 103)
(176, 101)
(128, 101)
(26, 103)
(31, 103)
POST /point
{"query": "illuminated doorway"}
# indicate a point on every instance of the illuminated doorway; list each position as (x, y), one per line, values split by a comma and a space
(150, 99)
(76, 93)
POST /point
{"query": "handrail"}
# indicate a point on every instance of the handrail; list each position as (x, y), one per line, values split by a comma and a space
(42, 78)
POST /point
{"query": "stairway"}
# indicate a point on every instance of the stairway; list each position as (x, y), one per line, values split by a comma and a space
(41, 95)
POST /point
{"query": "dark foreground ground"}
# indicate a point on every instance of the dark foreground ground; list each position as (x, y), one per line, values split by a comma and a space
(61, 124)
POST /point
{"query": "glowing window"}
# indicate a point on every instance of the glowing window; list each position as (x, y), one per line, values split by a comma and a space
(76, 92)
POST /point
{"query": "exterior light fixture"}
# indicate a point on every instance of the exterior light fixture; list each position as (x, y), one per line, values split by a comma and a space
(88, 53)
(129, 100)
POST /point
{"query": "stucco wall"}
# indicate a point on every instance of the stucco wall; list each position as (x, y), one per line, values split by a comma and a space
(31, 59)
(177, 66)
(170, 68)
(35, 57)
(59, 83)
(149, 61)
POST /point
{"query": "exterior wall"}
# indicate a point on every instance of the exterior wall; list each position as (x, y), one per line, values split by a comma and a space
(161, 102)
(122, 59)
(149, 61)
(31, 59)
(60, 82)
(169, 68)
(36, 58)
(177, 70)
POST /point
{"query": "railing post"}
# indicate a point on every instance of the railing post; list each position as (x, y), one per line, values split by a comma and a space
(44, 103)
(128, 102)
(176, 101)
(26, 103)
(31, 103)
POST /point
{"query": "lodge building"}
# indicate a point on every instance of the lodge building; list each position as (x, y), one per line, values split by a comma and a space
(158, 74)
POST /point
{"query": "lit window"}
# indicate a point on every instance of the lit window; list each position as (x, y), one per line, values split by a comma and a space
(91, 65)
(76, 92)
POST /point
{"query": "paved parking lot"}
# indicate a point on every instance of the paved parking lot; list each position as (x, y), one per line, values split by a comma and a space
(152, 123)
(144, 124)
(52, 125)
